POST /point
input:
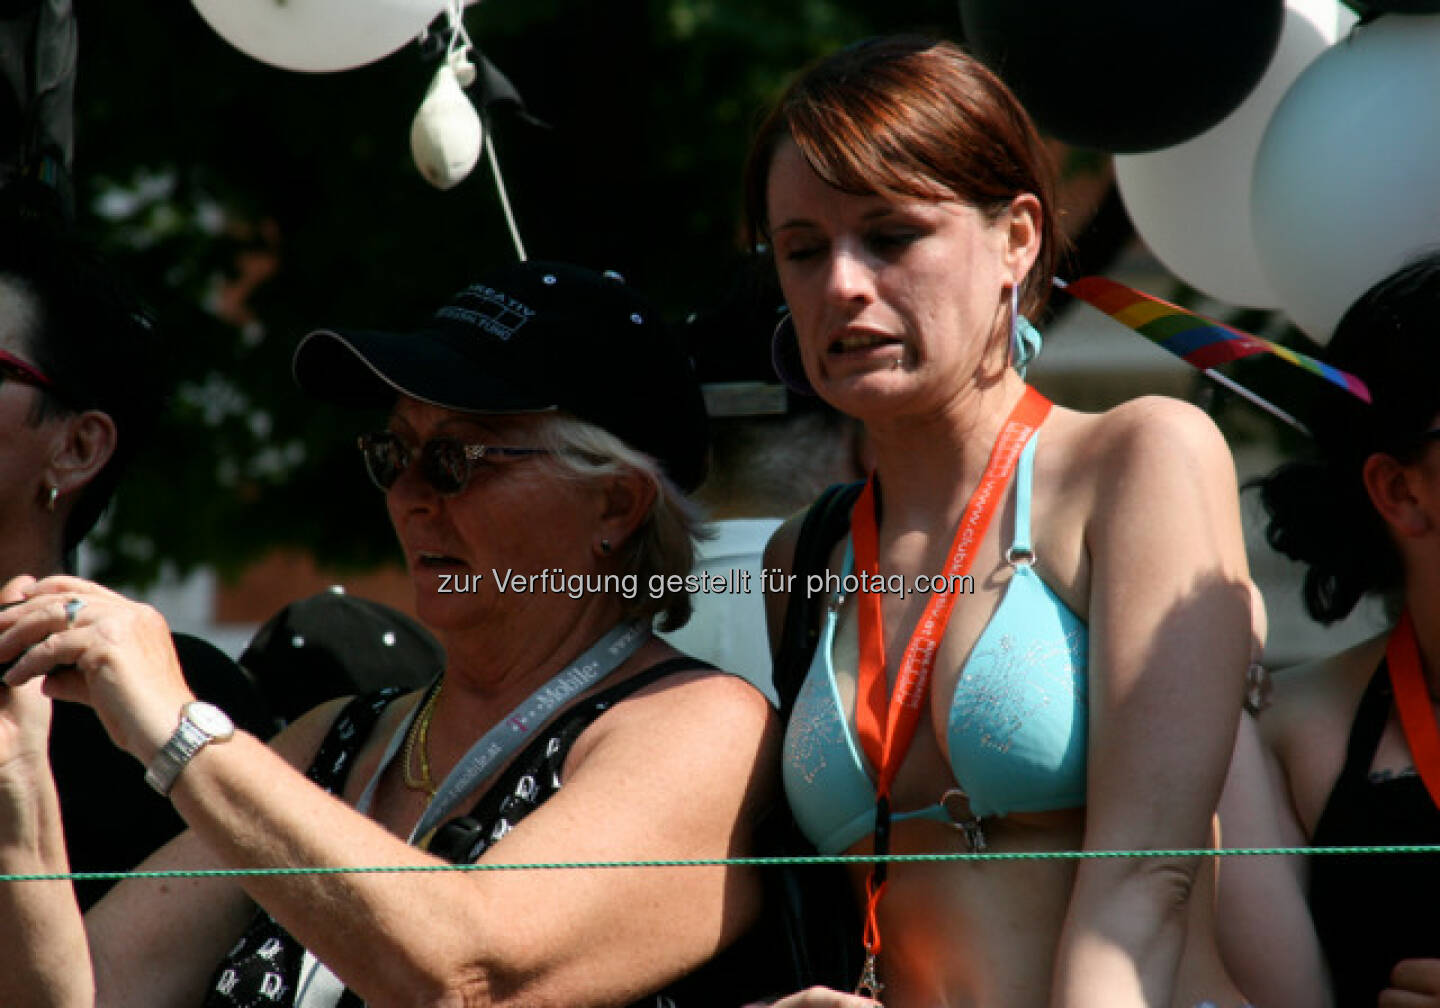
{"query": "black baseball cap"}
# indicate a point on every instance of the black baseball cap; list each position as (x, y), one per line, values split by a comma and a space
(530, 337)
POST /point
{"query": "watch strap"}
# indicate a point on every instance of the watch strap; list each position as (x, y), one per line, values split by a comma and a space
(182, 746)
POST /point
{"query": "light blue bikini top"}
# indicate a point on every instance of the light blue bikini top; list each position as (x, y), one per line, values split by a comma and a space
(1017, 723)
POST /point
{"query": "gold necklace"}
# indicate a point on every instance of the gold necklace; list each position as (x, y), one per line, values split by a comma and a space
(419, 734)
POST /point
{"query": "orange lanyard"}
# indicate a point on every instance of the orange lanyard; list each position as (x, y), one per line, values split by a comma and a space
(886, 725)
(1412, 700)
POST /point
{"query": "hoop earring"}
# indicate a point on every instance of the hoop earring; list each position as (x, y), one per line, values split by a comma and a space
(785, 357)
(53, 496)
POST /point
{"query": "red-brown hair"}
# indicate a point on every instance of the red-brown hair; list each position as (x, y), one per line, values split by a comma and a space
(909, 116)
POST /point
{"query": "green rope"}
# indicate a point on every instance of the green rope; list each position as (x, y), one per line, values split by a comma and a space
(763, 862)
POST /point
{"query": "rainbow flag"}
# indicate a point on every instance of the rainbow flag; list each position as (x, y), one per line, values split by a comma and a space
(1199, 341)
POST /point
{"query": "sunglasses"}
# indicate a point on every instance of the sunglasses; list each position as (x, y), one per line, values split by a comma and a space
(17, 370)
(445, 463)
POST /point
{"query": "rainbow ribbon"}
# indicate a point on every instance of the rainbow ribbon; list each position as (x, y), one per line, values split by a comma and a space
(1199, 341)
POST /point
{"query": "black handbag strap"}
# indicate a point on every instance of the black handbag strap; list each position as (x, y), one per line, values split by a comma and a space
(811, 905)
(826, 523)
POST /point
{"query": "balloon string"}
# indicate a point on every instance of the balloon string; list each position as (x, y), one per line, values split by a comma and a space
(500, 188)
(460, 44)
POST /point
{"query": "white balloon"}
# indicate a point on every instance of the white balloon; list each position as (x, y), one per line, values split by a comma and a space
(1347, 180)
(318, 35)
(1191, 202)
(446, 136)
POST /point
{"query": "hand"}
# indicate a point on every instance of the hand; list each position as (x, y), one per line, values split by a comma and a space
(822, 997)
(24, 712)
(1414, 983)
(96, 647)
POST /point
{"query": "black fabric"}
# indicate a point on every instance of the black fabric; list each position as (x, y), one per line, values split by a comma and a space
(1371, 911)
(263, 967)
(825, 524)
(114, 820)
(812, 904)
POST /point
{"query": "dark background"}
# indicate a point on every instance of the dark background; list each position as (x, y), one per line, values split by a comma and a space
(250, 204)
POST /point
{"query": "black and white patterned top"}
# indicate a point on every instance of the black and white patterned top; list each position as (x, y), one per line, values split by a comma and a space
(263, 968)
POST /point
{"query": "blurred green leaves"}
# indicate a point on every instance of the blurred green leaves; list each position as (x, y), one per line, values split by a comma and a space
(251, 204)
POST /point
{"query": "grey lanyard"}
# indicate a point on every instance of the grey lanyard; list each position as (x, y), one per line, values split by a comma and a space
(504, 739)
(318, 987)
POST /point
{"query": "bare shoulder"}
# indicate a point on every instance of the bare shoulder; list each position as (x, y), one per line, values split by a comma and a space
(1147, 449)
(1155, 431)
(692, 724)
(1307, 725)
(1313, 700)
(1153, 474)
(702, 697)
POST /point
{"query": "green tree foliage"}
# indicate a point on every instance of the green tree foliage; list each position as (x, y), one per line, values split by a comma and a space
(196, 163)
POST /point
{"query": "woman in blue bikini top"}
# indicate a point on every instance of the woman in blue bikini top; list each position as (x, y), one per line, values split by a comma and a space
(1079, 687)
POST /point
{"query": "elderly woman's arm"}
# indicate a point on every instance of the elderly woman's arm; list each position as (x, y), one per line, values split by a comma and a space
(675, 772)
(1170, 641)
(156, 942)
(669, 774)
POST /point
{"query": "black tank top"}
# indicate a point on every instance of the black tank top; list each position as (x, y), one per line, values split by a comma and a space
(264, 965)
(1373, 910)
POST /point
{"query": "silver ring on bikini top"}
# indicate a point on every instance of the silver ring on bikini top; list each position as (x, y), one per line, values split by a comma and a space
(1020, 556)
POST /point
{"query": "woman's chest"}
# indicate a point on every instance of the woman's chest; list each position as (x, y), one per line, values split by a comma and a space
(1005, 718)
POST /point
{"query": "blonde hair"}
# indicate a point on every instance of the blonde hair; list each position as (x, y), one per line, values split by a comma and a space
(664, 541)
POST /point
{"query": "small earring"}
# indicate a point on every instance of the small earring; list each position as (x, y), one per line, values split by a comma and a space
(605, 547)
(52, 498)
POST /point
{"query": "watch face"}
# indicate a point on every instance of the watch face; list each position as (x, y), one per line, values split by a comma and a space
(210, 719)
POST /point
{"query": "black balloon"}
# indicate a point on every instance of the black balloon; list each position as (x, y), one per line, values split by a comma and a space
(1374, 8)
(1126, 76)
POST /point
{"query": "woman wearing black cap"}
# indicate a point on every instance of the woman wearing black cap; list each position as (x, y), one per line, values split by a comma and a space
(1348, 745)
(541, 428)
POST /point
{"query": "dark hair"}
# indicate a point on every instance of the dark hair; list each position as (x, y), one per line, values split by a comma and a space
(88, 334)
(1319, 511)
(912, 116)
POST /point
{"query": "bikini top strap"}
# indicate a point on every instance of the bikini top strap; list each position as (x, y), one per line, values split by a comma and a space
(1021, 552)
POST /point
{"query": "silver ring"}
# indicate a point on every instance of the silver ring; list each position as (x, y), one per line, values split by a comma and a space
(72, 609)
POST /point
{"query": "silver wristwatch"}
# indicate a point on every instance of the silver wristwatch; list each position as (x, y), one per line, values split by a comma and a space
(200, 724)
